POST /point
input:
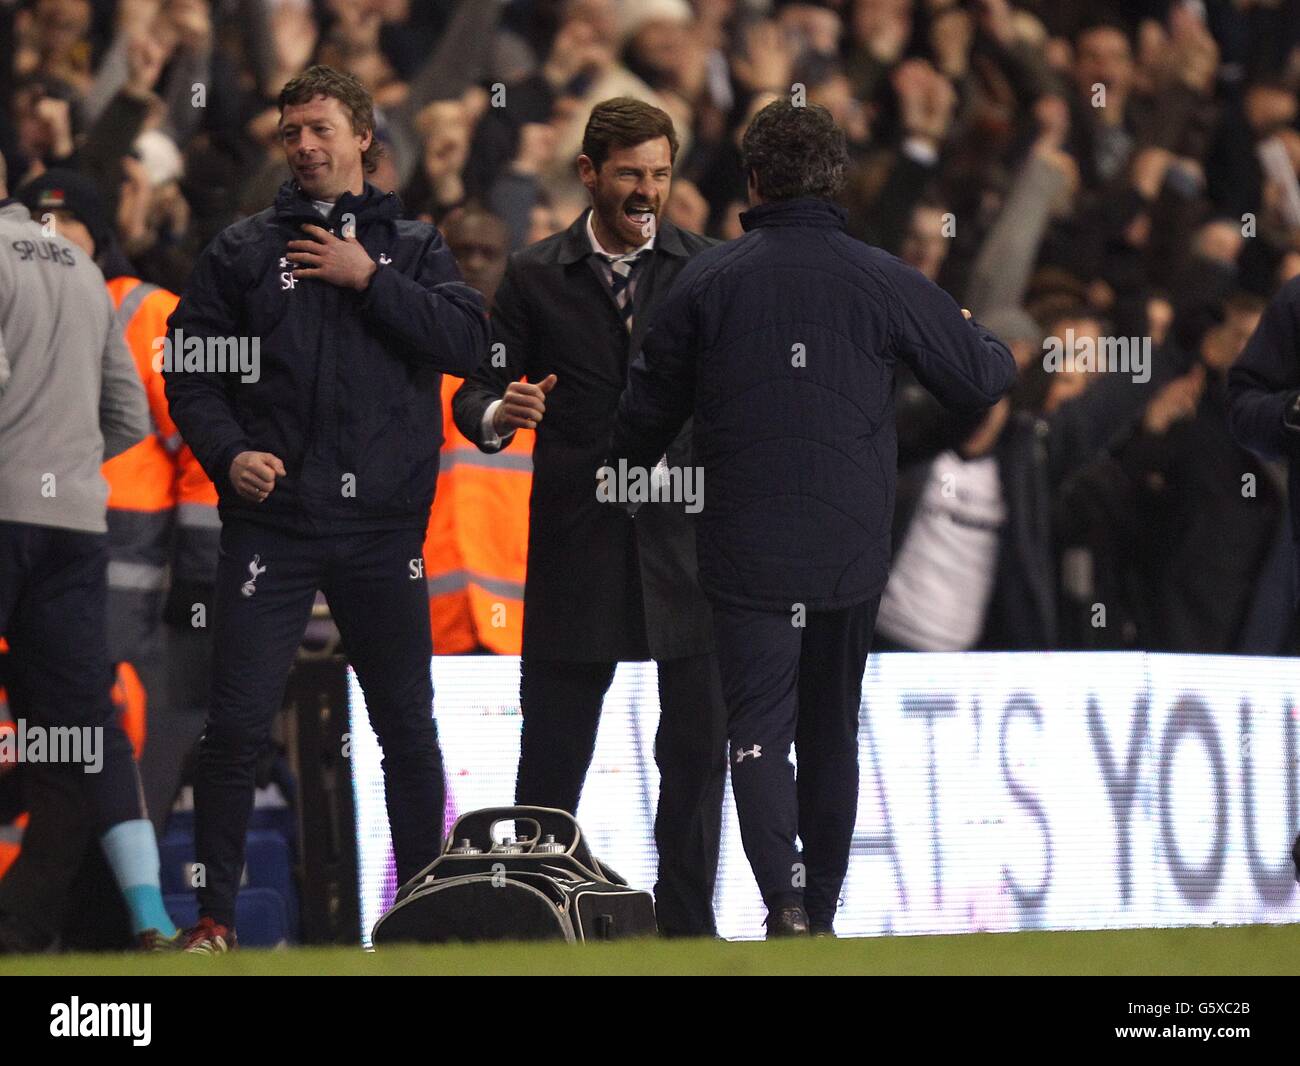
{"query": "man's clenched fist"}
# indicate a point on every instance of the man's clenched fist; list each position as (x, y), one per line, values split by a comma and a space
(522, 406)
(253, 474)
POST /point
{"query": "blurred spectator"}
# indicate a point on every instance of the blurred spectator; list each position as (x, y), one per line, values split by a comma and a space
(1125, 170)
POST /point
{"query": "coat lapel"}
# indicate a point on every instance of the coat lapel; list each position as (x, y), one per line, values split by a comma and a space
(656, 275)
(648, 289)
(667, 258)
(577, 248)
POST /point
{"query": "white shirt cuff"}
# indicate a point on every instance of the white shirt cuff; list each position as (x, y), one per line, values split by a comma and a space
(491, 438)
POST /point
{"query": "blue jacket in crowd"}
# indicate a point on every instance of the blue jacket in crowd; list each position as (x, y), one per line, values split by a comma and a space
(346, 385)
(783, 344)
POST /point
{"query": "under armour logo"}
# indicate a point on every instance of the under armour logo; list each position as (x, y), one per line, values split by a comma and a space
(284, 263)
(250, 586)
(756, 752)
(383, 259)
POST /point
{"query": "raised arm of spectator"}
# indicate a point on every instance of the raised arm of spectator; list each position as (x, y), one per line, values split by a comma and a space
(1000, 274)
(134, 24)
(459, 61)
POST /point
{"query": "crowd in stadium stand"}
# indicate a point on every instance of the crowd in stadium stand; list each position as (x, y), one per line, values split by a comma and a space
(1115, 182)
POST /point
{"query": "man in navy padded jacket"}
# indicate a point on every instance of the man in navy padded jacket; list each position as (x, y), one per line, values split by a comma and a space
(783, 345)
(303, 367)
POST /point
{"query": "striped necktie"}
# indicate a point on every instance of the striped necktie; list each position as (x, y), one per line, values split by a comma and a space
(620, 282)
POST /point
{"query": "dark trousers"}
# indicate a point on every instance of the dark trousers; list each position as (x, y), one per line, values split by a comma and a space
(784, 685)
(266, 582)
(60, 860)
(561, 702)
(53, 591)
(176, 722)
(61, 886)
(60, 889)
(174, 666)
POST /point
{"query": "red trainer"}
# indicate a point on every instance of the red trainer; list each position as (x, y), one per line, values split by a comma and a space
(209, 938)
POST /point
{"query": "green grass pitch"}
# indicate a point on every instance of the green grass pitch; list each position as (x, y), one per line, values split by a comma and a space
(1252, 949)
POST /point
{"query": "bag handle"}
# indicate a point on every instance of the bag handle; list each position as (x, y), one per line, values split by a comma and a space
(477, 827)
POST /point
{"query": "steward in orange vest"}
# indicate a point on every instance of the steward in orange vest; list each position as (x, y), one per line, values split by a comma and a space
(476, 548)
(141, 482)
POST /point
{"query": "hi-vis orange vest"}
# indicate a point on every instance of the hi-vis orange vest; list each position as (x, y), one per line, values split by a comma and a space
(158, 479)
(198, 525)
(476, 547)
(142, 480)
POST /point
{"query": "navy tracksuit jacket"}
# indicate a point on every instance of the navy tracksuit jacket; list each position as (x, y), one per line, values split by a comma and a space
(345, 390)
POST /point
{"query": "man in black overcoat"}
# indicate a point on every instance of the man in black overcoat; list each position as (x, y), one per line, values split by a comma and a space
(605, 586)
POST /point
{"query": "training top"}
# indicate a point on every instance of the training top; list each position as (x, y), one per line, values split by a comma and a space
(70, 397)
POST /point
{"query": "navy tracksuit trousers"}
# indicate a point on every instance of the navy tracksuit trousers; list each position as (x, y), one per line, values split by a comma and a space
(267, 580)
(802, 685)
(53, 592)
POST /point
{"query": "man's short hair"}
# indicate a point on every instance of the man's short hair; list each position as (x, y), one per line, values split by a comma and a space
(795, 152)
(326, 81)
(472, 211)
(625, 122)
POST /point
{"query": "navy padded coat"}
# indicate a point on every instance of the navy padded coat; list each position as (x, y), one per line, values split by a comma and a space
(783, 345)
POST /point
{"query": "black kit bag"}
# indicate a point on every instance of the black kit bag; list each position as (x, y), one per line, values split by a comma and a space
(541, 884)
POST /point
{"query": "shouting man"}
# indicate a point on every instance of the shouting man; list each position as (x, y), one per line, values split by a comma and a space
(604, 587)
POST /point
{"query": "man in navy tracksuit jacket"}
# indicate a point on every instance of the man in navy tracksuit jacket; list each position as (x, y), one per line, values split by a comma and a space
(324, 450)
(782, 345)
